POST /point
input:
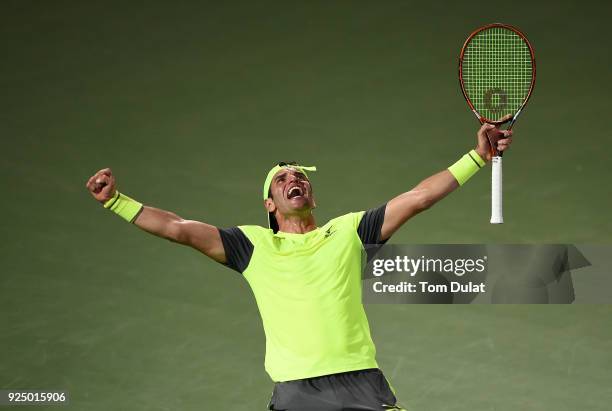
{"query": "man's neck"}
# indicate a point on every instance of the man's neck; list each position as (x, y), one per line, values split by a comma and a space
(296, 224)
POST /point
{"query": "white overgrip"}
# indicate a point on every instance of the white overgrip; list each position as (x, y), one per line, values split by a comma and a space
(497, 216)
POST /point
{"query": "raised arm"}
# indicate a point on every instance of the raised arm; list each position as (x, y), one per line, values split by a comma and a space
(434, 188)
(200, 236)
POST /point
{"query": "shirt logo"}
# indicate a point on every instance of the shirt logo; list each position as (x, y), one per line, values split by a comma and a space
(329, 232)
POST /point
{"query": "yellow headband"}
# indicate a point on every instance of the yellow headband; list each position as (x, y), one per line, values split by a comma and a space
(279, 166)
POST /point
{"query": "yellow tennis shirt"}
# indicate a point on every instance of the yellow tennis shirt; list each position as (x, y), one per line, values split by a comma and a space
(308, 291)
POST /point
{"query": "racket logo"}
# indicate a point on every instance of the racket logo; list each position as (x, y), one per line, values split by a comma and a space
(496, 101)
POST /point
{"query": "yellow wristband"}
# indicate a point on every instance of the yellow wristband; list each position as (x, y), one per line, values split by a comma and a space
(466, 167)
(124, 206)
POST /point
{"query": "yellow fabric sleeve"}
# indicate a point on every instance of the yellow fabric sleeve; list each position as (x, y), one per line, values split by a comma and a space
(124, 206)
(466, 167)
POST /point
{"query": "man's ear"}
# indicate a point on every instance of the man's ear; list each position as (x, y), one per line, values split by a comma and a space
(269, 205)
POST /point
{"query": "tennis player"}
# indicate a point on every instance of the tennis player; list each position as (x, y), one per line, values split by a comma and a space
(306, 278)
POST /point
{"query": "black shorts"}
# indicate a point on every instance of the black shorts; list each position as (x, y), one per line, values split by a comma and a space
(362, 390)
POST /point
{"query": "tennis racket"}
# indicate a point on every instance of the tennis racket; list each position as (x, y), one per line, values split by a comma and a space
(497, 72)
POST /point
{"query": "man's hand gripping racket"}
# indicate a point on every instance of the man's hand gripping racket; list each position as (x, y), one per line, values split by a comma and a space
(497, 76)
(493, 141)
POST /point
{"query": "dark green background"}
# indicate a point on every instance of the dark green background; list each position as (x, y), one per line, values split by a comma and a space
(190, 104)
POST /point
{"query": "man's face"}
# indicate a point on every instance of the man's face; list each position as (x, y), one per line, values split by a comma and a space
(291, 192)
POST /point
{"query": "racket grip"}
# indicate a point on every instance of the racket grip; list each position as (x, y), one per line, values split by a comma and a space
(497, 216)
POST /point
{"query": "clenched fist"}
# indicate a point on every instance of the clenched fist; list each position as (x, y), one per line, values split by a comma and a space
(102, 185)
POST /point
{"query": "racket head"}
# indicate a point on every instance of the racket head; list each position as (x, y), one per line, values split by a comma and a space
(497, 72)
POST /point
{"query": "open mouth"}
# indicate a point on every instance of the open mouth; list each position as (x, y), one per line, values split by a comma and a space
(294, 192)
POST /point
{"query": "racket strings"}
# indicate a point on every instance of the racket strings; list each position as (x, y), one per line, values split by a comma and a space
(497, 72)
